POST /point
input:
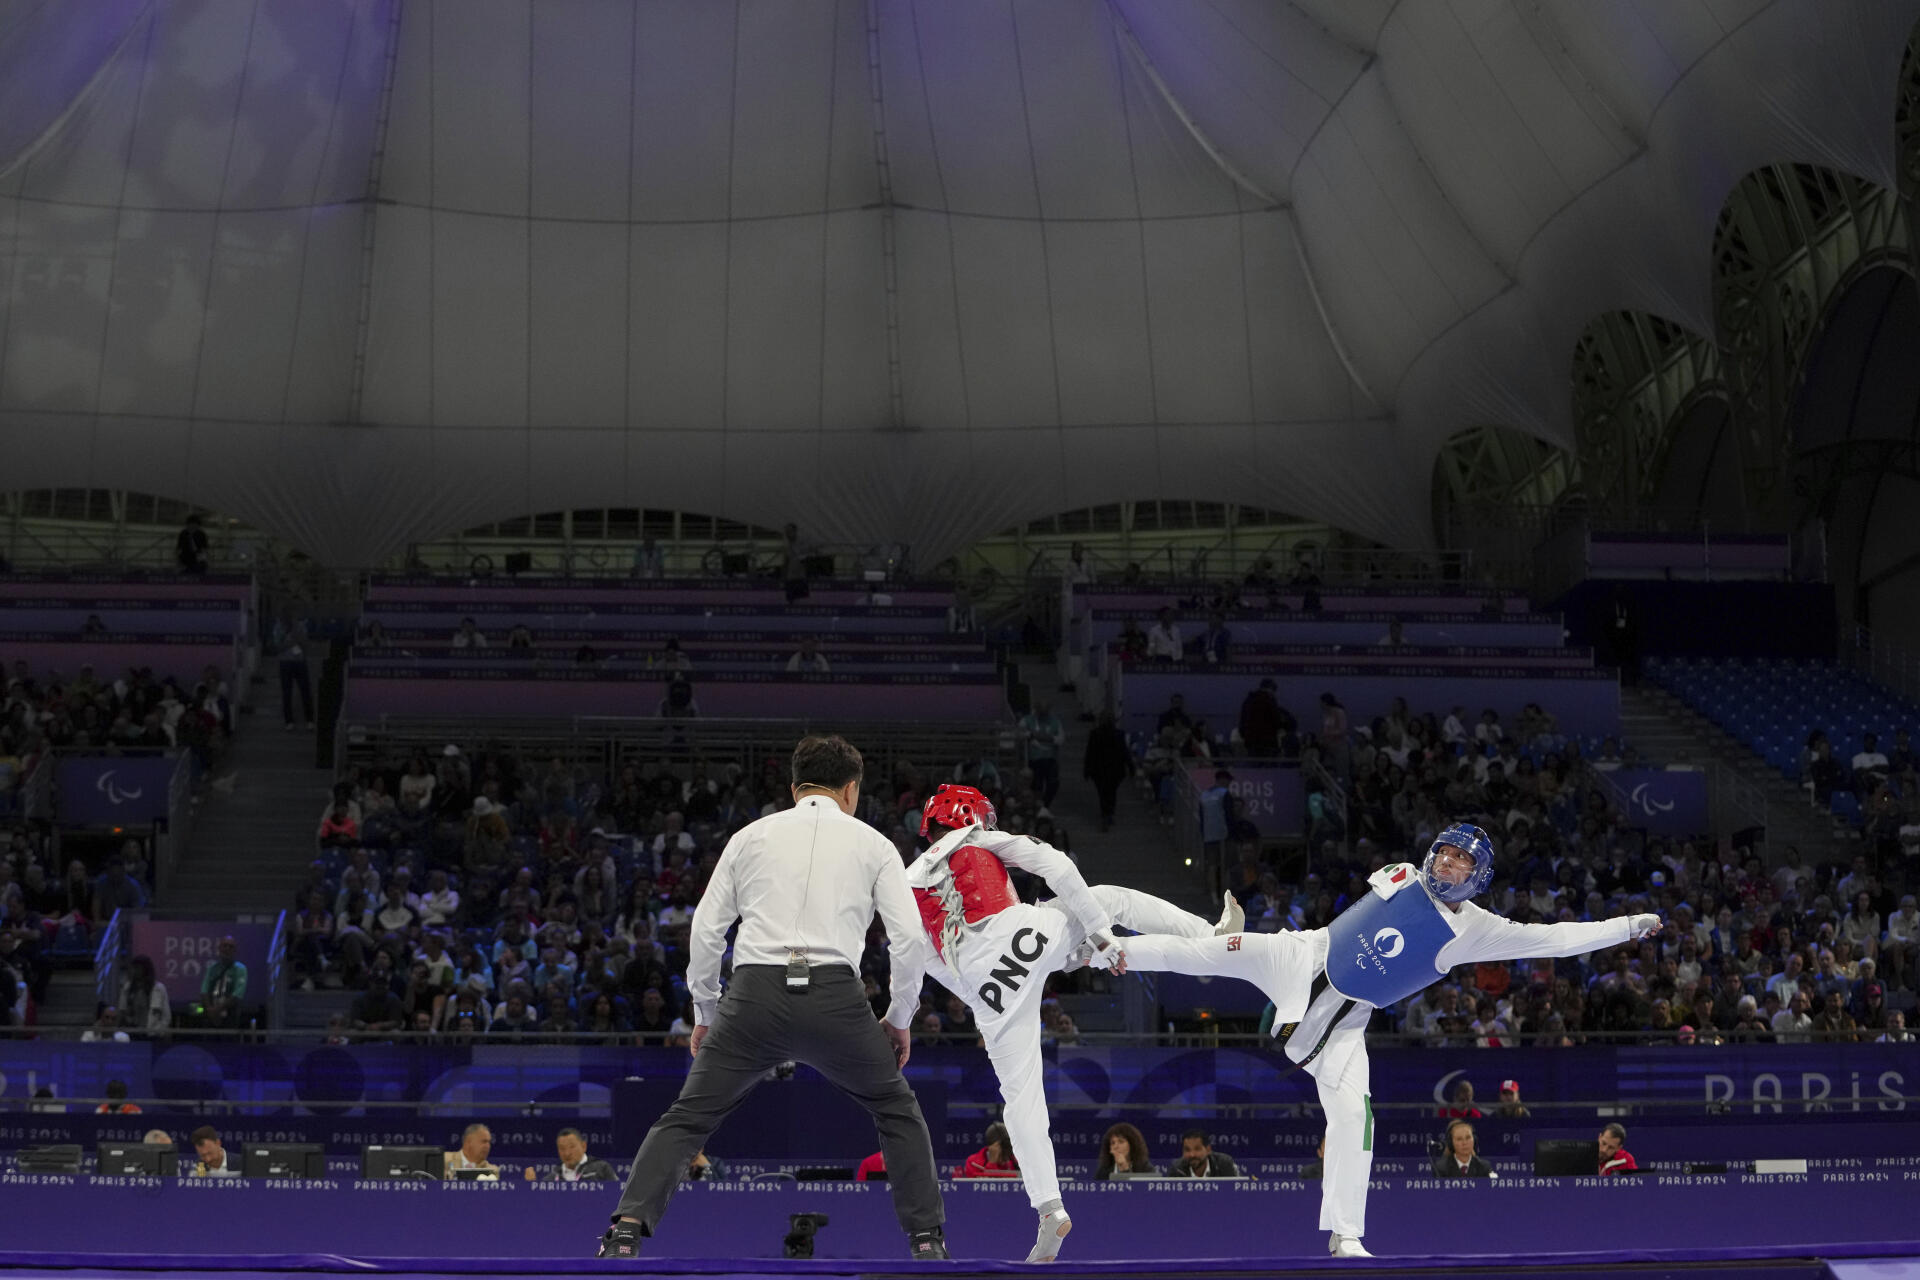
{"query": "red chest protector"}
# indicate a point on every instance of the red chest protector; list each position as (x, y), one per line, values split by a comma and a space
(972, 886)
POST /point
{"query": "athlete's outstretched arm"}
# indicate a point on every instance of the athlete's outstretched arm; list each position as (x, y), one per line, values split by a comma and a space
(1038, 858)
(1484, 936)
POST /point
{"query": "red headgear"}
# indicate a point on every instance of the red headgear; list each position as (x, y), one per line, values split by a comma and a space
(956, 806)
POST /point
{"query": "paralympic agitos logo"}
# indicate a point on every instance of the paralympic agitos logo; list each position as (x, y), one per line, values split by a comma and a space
(1380, 948)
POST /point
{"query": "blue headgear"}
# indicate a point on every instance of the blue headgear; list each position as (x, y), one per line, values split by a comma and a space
(1471, 841)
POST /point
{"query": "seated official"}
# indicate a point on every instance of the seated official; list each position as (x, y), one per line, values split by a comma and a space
(1462, 1158)
(704, 1168)
(476, 1143)
(213, 1161)
(575, 1164)
(1198, 1159)
(1123, 1153)
(1614, 1156)
(996, 1159)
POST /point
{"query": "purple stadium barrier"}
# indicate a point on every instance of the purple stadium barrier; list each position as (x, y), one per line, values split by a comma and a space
(198, 618)
(711, 646)
(84, 586)
(497, 620)
(1320, 656)
(503, 692)
(1661, 554)
(180, 656)
(1431, 629)
(1586, 702)
(1409, 599)
(646, 664)
(764, 593)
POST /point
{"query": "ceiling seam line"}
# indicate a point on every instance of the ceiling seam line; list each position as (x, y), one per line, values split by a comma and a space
(87, 91)
(313, 198)
(940, 177)
(370, 214)
(213, 231)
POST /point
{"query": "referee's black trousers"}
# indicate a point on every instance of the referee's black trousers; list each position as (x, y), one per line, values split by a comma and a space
(760, 1024)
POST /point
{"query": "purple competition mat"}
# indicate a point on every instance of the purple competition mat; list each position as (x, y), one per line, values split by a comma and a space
(739, 1225)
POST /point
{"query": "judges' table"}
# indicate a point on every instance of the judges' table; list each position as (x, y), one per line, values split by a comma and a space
(1179, 1220)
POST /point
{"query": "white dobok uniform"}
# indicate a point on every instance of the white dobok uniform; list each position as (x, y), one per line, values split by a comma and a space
(993, 951)
(1326, 983)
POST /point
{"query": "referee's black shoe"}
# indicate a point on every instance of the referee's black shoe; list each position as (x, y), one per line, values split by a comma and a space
(621, 1241)
(928, 1246)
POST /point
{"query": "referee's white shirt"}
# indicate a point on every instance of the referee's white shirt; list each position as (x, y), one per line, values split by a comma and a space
(806, 879)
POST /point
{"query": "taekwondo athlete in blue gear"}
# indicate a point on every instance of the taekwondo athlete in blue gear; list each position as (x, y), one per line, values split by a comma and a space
(1414, 925)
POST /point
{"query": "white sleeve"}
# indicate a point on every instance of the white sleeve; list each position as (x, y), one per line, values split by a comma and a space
(1483, 936)
(910, 957)
(1053, 866)
(707, 941)
(906, 934)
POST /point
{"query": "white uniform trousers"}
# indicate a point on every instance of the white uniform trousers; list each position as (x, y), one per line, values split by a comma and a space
(1330, 1035)
(1004, 961)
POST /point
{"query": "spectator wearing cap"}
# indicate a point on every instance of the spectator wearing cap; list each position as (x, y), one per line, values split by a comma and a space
(1614, 1156)
(1461, 1157)
(1510, 1107)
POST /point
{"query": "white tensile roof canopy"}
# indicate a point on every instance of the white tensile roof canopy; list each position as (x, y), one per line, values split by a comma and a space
(899, 270)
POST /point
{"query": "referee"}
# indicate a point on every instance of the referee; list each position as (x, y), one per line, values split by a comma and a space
(804, 885)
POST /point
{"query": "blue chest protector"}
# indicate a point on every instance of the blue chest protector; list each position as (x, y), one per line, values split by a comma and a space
(1382, 950)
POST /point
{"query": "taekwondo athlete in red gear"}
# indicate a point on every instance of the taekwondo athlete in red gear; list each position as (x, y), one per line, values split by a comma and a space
(995, 952)
(1404, 935)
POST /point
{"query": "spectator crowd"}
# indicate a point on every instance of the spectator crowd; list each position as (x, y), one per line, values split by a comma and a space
(477, 894)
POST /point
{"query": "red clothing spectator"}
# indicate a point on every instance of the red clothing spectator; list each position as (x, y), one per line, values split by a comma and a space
(1614, 1157)
(875, 1163)
(1493, 979)
(979, 1165)
(1620, 1161)
(1460, 1106)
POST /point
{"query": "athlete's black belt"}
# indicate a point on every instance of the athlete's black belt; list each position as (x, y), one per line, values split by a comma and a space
(1320, 984)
